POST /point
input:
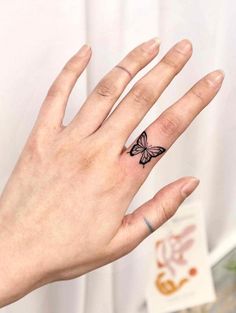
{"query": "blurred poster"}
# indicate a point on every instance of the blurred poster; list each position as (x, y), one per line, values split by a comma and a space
(224, 275)
(180, 274)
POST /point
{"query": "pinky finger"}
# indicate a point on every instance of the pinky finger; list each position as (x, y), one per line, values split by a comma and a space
(151, 215)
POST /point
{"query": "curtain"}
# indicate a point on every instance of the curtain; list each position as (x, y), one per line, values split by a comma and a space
(37, 37)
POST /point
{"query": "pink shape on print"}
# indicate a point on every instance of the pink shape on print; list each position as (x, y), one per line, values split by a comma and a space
(171, 250)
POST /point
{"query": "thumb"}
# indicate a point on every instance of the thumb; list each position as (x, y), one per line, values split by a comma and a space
(152, 214)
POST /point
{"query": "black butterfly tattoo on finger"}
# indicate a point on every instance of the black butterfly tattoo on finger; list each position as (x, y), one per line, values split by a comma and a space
(148, 152)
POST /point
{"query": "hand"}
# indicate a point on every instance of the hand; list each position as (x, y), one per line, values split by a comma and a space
(63, 208)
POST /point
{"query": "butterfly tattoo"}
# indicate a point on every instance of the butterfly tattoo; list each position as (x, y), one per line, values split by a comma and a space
(148, 152)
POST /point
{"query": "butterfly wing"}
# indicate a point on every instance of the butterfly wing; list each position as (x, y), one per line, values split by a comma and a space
(151, 152)
(155, 151)
(142, 140)
(145, 158)
(136, 149)
(141, 144)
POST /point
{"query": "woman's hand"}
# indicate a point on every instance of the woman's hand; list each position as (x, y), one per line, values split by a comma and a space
(63, 208)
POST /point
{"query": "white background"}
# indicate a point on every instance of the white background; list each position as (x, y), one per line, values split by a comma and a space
(37, 37)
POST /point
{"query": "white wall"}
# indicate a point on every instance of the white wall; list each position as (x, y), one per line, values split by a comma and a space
(37, 37)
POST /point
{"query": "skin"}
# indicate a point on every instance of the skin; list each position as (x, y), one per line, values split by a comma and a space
(63, 210)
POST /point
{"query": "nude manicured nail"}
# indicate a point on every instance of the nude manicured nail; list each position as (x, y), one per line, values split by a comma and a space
(215, 78)
(189, 187)
(184, 46)
(151, 45)
(83, 51)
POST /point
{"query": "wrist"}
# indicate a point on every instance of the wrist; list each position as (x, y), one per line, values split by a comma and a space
(21, 267)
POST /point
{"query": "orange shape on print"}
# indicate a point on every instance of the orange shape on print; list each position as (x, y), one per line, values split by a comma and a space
(168, 286)
(192, 271)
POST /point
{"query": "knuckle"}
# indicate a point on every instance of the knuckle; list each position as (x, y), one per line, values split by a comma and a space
(107, 88)
(34, 149)
(141, 95)
(198, 94)
(135, 63)
(167, 209)
(137, 56)
(188, 48)
(134, 54)
(169, 124)
(171, 62)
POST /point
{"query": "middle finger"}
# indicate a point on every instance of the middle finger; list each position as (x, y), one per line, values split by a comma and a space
(145, 92)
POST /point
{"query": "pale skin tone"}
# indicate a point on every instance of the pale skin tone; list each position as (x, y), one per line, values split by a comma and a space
(63, 210)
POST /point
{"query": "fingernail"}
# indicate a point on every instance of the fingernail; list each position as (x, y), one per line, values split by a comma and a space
(184, 46)
(83, 51)
(151, 45)
(215, 78)
(189, 187)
